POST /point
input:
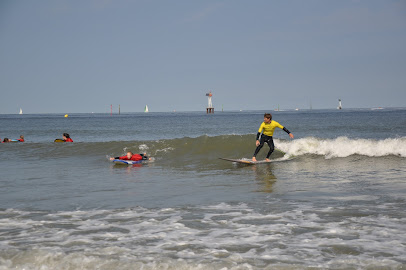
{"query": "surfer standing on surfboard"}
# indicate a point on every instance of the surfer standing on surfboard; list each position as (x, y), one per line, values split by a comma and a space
(267, 128)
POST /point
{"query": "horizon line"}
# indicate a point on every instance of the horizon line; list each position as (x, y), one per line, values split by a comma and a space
(218, 111)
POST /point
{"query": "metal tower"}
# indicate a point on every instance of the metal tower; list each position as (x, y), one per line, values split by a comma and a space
(209, 108)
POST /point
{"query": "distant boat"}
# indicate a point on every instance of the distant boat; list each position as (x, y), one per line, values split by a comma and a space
(339, 105)
(21, 111)
(146, 109)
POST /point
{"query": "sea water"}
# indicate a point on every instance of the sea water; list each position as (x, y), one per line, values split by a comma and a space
(333, 197)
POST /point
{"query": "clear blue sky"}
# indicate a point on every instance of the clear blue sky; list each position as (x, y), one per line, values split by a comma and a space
(60, 56)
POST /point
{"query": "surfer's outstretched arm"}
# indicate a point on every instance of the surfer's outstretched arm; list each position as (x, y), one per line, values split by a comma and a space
(287, 131)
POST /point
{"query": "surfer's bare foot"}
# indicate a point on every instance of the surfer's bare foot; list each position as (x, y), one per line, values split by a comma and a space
(267, 159)
(254, 159)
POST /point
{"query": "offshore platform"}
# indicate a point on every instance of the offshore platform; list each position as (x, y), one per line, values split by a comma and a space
(210, 108)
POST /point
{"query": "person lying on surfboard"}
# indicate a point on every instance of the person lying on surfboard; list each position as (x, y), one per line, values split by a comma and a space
(131, 156)
(18, 140)
(66, 137)
(267, 128)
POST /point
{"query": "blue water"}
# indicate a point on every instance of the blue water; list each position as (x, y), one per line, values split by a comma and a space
(333, 197)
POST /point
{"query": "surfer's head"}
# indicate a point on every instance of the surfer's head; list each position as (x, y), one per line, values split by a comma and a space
(66, 135)
(267, 117)
(129, 154)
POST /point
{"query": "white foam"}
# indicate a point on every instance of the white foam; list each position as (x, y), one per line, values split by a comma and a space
(212, 237)
(143, 147)
(165, 150)
(344, 147)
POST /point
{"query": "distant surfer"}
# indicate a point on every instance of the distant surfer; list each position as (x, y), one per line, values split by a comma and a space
(131, 156)
(66, 137)
(12, 140)
(267, 128)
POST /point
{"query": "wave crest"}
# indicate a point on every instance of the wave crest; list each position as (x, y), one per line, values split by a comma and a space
(344, 147)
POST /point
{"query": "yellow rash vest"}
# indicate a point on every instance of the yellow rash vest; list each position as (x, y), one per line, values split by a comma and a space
(268, 129)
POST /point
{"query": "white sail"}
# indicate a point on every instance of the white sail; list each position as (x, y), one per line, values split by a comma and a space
(146, 108)
(21, 111)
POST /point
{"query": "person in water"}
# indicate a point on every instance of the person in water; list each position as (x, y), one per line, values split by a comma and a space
(18, 140)
(66, 137)
(6, 140)
(267, 128)
(131, 156)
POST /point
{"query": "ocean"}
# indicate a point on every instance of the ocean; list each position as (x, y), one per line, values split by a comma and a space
(334, 197)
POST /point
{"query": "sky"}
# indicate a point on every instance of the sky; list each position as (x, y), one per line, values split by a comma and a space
(81, 56)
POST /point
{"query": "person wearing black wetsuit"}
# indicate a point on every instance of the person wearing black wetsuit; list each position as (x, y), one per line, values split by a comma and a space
(267, 128)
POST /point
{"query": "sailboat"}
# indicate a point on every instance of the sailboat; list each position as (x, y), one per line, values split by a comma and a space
(146, 108)
(21, 111)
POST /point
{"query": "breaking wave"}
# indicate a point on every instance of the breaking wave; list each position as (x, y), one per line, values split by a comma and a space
(344, 147)
(205, 148)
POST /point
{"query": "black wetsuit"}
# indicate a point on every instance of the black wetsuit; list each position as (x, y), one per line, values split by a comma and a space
(266, 137)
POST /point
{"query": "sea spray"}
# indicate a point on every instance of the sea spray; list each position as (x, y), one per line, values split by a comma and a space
(344, 147)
